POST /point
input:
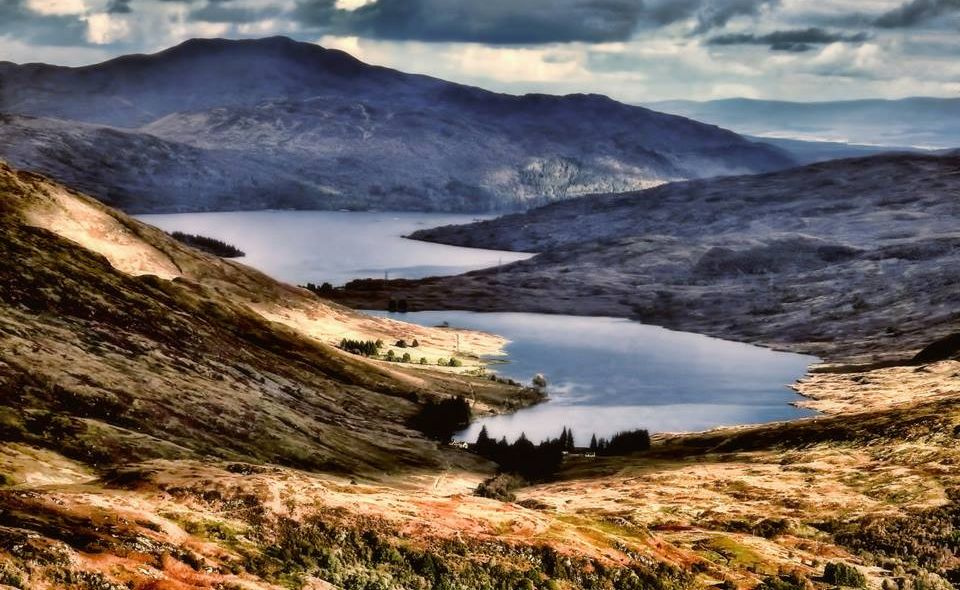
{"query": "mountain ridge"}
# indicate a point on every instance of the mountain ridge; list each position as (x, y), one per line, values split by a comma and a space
(279, 123)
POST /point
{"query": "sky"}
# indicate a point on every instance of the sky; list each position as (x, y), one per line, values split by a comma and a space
(633, 50)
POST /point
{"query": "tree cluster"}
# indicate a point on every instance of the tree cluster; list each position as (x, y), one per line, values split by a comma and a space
(440, 420)
(841, 574)
(523, 457)
(362, 347)
(323, 290)
(621, 443)
(208, 245)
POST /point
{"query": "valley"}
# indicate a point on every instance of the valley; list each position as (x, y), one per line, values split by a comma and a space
(127, 469)
(273, 317)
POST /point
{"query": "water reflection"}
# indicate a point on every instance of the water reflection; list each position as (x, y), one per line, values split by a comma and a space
(609, 374)
(336, 246)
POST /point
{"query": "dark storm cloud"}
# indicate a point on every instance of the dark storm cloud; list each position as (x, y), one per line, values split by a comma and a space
(19, 22)
(220, 12)
(916, 12)
(119, 7)
(516, 22)
(797, 40)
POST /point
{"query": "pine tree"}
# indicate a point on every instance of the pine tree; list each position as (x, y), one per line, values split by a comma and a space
(484, 436)
(593, 443)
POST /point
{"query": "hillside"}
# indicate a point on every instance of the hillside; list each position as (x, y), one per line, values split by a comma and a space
(119, 343)
(910, 122)
(172, 421)
(851, 259)
(273, 123)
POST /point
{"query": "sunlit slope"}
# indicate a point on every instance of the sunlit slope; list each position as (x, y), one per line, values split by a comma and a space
(120, 343)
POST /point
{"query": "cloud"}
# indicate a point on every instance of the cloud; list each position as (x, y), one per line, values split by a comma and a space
(916, 12)
(105, 28)
(220, 12)
(511, 22)
(796, 40)
(20, 22)
(119, 7)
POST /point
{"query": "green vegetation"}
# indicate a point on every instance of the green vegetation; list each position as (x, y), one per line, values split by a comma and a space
(622, 443)
(10, 577)
(362, 347)
(927, 539)
(208, 245)
(500, 487)
(841, 574)
(440, 420)
(785, 582)
(367, 557)
(324, 290)
(523, 457)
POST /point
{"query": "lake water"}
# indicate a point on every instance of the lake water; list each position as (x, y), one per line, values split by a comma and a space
(605, 374)
(336, 246)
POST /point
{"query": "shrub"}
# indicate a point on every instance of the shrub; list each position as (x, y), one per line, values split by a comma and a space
(406, 358)
(500, 487)
(424, 361)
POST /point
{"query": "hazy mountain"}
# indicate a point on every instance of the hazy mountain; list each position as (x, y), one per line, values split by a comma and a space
(216, 124)
(912, 122)
(850, 256)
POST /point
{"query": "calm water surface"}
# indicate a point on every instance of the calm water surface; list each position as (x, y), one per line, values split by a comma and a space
(335, 246)
(608, 374)
(605, 374)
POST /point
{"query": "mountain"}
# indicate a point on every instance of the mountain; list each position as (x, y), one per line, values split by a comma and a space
(218, 124)
(929, 123)
(848, 259)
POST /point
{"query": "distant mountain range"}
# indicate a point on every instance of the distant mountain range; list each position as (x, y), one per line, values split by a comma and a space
(930, 123)
(218, 124)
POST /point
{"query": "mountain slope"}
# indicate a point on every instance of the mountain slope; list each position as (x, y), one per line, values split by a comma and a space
(117, 343)
(910, 122)
(850, 259)
(290, 124)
